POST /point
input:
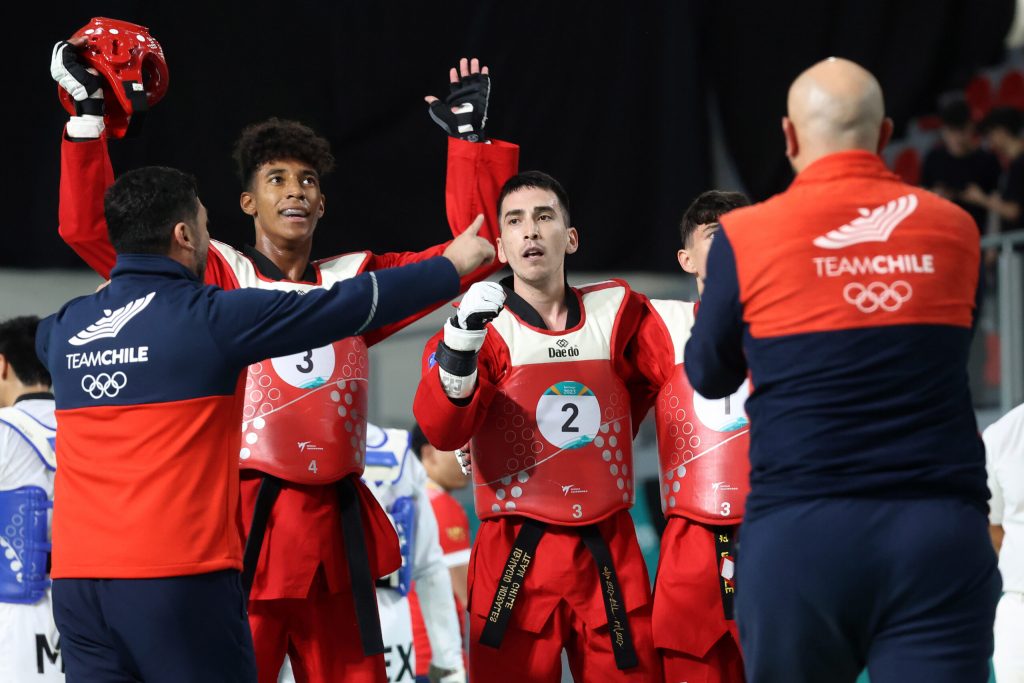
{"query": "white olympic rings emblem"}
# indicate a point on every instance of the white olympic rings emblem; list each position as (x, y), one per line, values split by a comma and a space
(104, 385)
(878, 295)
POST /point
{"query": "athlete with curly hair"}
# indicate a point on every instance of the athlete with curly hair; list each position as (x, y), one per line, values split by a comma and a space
(317, 538)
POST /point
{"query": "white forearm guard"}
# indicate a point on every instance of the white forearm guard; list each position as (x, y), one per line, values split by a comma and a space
(440, 618)
(456, 359)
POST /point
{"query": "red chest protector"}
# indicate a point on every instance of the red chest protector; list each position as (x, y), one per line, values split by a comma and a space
(304, 416)
(557, 441)
(703, 444)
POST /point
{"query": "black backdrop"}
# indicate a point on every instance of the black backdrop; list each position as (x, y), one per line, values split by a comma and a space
(611, 98)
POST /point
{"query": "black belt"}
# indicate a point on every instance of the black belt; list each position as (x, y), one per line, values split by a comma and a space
(363, 594)
(513, 578)
(725, 549)
(265, 497)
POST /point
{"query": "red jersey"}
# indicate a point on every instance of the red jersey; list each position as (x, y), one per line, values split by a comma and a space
(304, 525)
(563, 569)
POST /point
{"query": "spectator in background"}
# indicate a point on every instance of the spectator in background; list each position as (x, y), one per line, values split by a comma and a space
(959, 162)
(1004, 454)
(443, 476)
(1001, 131)
(28, 635)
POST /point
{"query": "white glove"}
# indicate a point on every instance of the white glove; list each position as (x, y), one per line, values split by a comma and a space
(482, 304)
(465, 459)
(439, 675)
(464, 334)
(84, 85)
(465, 330)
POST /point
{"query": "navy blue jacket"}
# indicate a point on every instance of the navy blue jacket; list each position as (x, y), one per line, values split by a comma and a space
(145, 376)
(849, 299)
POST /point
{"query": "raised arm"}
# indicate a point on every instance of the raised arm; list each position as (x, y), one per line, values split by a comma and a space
(86, 171)
(476, 171)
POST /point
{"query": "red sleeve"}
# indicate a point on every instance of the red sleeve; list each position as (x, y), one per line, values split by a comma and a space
(445, 424)
(633, 360)
(452, 523)
(85, 175)
(651, 349)
(476, 173)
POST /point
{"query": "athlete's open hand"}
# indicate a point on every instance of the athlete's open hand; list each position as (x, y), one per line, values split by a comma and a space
(469, 251)
(463, 114)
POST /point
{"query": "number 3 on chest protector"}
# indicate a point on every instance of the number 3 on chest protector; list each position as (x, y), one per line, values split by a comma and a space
(568, 415)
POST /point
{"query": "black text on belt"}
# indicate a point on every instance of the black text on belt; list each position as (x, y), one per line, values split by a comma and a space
(725, 552)
(513, 578)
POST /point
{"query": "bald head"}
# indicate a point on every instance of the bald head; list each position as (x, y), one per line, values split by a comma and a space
(835, 105)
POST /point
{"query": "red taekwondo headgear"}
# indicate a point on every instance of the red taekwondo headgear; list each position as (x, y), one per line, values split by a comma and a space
(133, 65)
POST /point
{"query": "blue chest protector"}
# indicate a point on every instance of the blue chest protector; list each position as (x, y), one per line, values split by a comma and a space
(24, 518)
(23, 533)
(386, 475)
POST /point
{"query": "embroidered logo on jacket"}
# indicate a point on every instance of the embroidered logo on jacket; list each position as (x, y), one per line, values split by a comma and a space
(872, 226)
(112, 321)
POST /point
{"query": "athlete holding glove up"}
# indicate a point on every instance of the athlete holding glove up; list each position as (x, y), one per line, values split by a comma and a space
(303, 593)
(115, 52)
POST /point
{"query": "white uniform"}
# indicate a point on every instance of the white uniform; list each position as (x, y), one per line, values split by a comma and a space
(1004, 453)
(29, 643)
(393, 472)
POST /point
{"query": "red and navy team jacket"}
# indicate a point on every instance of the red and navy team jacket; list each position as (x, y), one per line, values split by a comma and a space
(145, 374)
(850, 299)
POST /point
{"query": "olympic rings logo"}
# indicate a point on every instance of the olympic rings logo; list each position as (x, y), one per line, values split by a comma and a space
(104, 385)
(878, 295)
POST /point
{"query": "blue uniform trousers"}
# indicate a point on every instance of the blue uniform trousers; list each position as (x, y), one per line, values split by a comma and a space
(906, 588)
(176, 629)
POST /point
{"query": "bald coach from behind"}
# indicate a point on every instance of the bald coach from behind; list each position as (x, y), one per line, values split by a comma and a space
(850, 299)
(147, 531)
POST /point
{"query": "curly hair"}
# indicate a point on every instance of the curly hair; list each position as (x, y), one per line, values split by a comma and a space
(276, 139)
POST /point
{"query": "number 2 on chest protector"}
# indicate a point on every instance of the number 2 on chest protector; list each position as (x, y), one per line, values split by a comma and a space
(568, 415)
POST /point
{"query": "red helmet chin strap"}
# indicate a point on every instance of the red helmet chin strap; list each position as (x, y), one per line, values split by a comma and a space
(131, 62)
